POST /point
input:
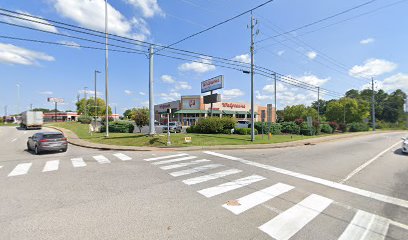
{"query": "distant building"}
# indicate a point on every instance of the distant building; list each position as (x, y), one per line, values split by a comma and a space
(189, 109)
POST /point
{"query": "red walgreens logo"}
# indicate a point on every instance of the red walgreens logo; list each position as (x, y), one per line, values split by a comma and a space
(233, 105)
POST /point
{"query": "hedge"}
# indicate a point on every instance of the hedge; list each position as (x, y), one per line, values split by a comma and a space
(244, 131)
(290, 127)
(85, 119)
(214, 125)
(306, 130)
(358, 127)
(119, 127)
(275, 128)
(326, 128)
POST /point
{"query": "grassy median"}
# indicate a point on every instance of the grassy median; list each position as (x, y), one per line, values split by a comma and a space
(177, 139)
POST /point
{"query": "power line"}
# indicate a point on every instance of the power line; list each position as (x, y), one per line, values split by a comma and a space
(216, 25)
(320, 20)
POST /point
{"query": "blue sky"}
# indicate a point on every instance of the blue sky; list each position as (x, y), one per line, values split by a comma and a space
(336, 54)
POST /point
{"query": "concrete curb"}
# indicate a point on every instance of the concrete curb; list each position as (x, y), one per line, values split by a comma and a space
(75, 140)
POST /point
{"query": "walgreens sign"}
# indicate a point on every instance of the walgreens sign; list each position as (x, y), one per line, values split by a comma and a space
(233, 105)
(212, 84)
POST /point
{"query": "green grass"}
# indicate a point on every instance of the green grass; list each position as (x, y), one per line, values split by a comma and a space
(9, 124)
(131, 139)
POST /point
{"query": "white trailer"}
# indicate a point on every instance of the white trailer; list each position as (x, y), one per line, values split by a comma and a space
(32, 120)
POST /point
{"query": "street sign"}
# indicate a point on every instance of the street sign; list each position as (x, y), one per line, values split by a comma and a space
(263, 115)
(212, 84)
(55, 100)
(309, 121)
(269, 110)
(212, 98)
(187, 139)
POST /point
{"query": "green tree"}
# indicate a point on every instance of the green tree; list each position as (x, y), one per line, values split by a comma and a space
(350, 109)
(91, 109)
(141, 117)
(394, 106)
(299, 111)
(323, 105)
(128, 114)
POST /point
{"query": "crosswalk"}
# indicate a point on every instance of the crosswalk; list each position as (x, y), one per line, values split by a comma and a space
(287, 223)
(54, 165)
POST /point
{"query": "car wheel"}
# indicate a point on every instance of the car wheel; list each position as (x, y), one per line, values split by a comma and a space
(36, 150)
(64, 149)
(28, 147)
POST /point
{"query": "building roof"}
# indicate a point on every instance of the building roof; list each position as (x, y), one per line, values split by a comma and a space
(186, 111)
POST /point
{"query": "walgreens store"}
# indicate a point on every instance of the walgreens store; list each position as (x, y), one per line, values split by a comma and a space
(189, 109)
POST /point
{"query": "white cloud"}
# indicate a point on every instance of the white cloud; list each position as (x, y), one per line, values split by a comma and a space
(245, 58)
(367, 41)
(262, 97)
(91, 14)
(311, 55)
(201, 65)
(46, 93)
(392, 83)
(128, 92)
(12, 54)
(232, 93)
(70, 44)
(281, 52)
(149, 8)
(171, 96)
(167, 79)
(142, 93)
(313, 80)
(271, 88)
(183, 86)
(372, 68)
(89, 93)
(32, 22)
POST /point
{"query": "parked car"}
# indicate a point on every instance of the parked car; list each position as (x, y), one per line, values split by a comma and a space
(405, 145)
(242, 124)
(174, 127)
(47, 141)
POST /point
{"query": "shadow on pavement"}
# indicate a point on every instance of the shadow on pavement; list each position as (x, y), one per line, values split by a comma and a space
(399, 152)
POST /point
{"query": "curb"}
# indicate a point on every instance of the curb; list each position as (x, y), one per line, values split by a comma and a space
(75, 140)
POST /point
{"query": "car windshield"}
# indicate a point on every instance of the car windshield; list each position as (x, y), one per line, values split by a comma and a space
(172, 124)
(53, 136)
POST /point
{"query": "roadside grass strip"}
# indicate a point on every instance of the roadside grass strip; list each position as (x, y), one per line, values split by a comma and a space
(229, 186)
(289, 222)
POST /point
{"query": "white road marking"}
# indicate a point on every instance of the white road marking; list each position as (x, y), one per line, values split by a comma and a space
(25, 132)
(180, 165)
(78, 162)
(360, 168)
(195, 170)
(15, 139)
(358, 191)
(101, 159)
(258, 197)
(366, 226)
(174, 160)
(166, 157)
(51, 166)
(122, 156)
(229, 186)
(288, 223)
(209, 177)
(20, 169)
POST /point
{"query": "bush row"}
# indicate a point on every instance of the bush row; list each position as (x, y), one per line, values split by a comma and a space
(214, 125)
(85, 119)
(119, 127)
(244, 131)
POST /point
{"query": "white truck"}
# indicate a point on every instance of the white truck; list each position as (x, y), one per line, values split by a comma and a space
(32, 120)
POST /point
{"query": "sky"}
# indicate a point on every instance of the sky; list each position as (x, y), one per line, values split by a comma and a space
(338, 54)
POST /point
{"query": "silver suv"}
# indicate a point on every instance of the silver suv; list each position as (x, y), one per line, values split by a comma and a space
(174, 127)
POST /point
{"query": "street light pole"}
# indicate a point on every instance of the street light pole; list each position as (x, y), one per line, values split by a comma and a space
(252, 81)
(86, 102)
(18, 98)
(276, 108)
(373, 102)
(152, 129)
(318, 104)
(106, 70)
(96, 102)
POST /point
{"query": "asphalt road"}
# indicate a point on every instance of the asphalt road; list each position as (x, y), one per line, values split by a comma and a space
(354, 188)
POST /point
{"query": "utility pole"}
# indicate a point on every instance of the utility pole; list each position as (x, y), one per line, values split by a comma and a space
(252, 81)
(31, 107)
(86, 102)
(96, 100)
(373, 102)
(106, 70)
(152, 129)
(5, 114)
(18, 98)
(276, 108)
(318, 105)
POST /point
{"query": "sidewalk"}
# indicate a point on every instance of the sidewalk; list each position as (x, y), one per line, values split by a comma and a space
(75, 140)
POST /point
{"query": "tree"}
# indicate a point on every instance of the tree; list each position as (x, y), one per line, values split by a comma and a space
(299, 111)
(141, 117)
(352, 94)
(128, 114)
(348, 109)
(89, 106)
(394, 106)
(323, 105)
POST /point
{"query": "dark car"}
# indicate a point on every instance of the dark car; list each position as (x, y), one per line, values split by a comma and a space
(47, 141)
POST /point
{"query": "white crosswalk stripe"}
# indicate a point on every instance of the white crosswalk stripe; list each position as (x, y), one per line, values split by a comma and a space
(101, 159)
(257, 198)
(174, 160)
(205, 178)
(78, 162)
(229, 186)
(288, 223)
(166, 157)
(20, 169)
(180, 165)
(122, 156)
(195, 170)
(366, 226)
(51, 166)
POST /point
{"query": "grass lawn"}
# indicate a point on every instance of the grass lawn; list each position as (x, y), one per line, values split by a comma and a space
(131, 139)
(9, 124)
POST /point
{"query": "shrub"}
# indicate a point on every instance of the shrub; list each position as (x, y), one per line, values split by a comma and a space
(305, 130)
(317, 126)
(358, 127)
(119, 127)
(334, 125)
(85, 119)
(104, 119)
(326, 128)
(275, 128)
(1, 120)
(213, 125)
(343, 127)
(244, 131)
(299, 121)
(290, 127)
